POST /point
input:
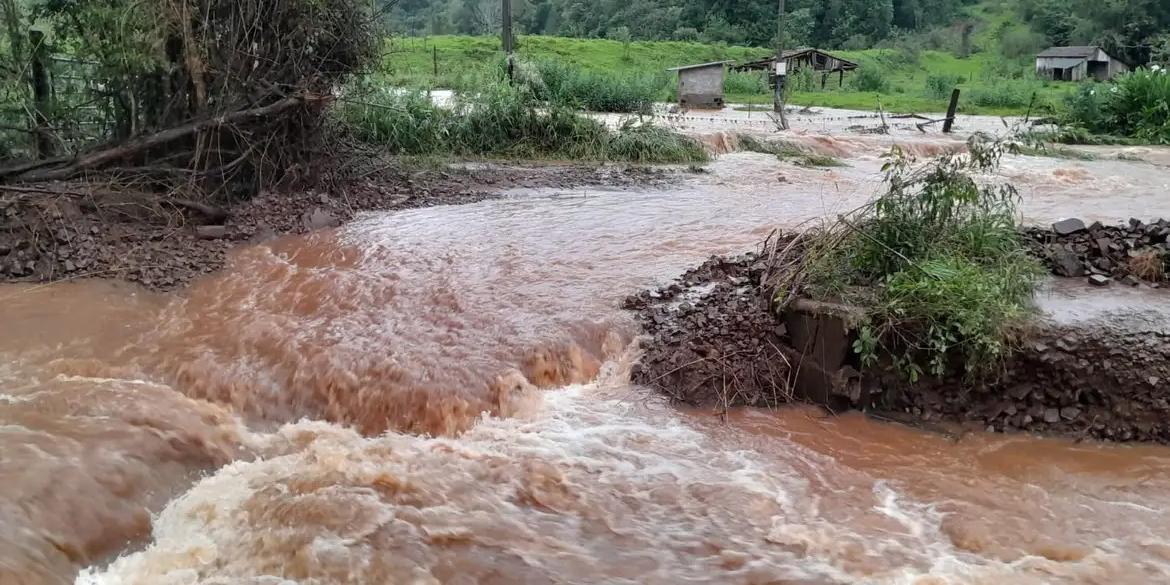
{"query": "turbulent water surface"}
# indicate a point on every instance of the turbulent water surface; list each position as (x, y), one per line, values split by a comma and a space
(442, 396)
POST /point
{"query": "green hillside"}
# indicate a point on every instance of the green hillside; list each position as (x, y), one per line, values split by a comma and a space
(902, 80)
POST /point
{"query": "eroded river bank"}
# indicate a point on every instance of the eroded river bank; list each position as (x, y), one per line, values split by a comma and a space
(314, 413)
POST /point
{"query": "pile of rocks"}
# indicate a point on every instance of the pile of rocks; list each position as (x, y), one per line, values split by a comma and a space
(1102, 253)
(1085, 381)
(710, 338)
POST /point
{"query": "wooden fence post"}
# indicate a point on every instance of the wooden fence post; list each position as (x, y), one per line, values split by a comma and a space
(951, 110)
(42, 94)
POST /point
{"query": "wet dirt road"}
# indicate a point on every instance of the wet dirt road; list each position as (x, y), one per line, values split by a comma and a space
(441, 396)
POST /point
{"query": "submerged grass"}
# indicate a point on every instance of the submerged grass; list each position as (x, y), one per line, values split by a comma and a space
(787, 151)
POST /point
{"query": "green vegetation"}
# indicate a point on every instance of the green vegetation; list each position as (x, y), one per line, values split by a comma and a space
(598, 75)
(1136, 106)
(936, 261)
(1134, 30)
(506, 122)
(558, 83)
(837, 23)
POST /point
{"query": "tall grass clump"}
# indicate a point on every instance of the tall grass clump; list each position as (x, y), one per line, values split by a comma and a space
(786, 151)
(1007, 94)
(746, 83)
(937, 263)
(507, 122)
(1136, 105)
(562, 84)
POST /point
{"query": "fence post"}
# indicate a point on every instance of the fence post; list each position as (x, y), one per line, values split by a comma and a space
(436, 54)
(951, 110)
(42, 93)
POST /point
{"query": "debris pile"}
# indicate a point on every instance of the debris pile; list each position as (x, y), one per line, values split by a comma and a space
(1130, 254)
(711, 339)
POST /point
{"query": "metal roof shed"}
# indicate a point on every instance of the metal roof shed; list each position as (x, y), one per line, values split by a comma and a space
(701, 86)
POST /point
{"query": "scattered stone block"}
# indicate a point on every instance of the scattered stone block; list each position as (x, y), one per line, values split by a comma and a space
(1068, 226)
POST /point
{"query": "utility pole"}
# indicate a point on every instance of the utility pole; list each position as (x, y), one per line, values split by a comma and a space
(509, 42)
(781, 71)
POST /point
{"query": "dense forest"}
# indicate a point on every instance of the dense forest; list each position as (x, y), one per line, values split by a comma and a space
(1134, 29)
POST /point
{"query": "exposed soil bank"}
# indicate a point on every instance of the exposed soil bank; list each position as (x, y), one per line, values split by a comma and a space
(712, 342)
(66, 231)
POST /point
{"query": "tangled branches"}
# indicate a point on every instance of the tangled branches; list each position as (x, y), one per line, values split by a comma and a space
(211, 92)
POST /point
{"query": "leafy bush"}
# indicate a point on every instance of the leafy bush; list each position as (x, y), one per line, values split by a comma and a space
(936, 261)
(1137, 105)
(939, 86)
(869, 79)
(804, 79)
(506, 121)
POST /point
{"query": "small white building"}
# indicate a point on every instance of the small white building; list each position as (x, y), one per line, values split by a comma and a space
(1078, 63)
(701, 86)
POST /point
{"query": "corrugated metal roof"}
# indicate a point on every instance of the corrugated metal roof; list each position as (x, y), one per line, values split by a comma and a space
(699, 66)
(1082, 52)
(766, 62)
(1058, 63)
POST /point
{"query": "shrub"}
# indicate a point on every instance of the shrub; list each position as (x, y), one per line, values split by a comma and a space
(562, 84)
(1006, 95)
(746, 83)
(1137, 105)
(505, 121)
(939, 86)
(870, 79)
(936, 261)
(804, 80)
(1021, 42)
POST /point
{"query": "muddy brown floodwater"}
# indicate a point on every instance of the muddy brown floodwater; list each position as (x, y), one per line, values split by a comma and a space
(442, 396)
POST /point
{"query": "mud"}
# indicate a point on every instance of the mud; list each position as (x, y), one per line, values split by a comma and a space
(710, 341)
(68, 231)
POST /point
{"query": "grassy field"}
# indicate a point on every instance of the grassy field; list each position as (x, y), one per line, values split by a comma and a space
(901, 81)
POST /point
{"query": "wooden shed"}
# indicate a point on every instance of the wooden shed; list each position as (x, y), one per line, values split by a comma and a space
(701, 86)
(804, 58)
(1078, 63)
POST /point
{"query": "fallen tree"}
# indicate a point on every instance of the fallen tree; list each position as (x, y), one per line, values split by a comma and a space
(213, 93)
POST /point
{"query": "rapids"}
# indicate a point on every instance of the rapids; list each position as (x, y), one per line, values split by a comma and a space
(441, 396)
